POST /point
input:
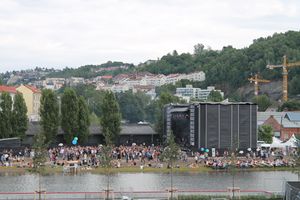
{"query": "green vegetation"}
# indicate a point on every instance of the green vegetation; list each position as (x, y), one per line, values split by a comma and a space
(5, 115)
(291, 105)
(49, 112)
(19, 116)
(89, 71)
(13, 116)
(265, 133)
(229, 68)
(215, 96)
(111, 118)
(262, 101)
(69, 114)
(83, 120)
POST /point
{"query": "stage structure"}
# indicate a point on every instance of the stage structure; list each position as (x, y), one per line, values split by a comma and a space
(212, 125)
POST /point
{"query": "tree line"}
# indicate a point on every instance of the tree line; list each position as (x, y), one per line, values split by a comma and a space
(13, 115)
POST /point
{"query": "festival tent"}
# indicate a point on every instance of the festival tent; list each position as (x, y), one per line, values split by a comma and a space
(292, 142)
(276, 143)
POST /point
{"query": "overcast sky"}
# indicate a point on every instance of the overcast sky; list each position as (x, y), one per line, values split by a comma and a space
(59, 33)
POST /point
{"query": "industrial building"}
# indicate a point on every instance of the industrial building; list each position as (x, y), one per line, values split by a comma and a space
(212, 125)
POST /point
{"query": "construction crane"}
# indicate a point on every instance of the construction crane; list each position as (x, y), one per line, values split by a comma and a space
(257, 80)
(285, 66)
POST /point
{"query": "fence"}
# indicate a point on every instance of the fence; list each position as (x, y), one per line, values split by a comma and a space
(162, 194)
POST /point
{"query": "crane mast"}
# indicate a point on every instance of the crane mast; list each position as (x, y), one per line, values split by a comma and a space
(285, 66)
(257, 80)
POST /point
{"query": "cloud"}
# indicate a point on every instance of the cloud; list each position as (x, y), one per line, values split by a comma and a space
(59, 33)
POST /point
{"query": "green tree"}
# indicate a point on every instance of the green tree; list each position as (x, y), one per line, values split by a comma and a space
(170, 155)
(106, 163)
(49, 112)
(294, 85)
(19, 116)
(131, 106)
(291, 105)
(69, 114)
(83, 120)
(6, 115)
(265, 133)
(215, 96)
(262, 101)
(40, 158)
(110, 120)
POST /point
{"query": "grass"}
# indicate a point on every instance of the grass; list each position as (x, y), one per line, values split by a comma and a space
(136, 169)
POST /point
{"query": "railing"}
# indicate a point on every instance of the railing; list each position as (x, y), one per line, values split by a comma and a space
(161, 194)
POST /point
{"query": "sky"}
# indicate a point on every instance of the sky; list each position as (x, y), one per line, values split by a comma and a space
(60, 33)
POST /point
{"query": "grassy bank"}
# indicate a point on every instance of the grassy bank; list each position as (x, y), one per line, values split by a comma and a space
(135, 169)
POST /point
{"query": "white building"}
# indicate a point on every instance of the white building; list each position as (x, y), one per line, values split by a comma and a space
(196, 93)
(196, 76)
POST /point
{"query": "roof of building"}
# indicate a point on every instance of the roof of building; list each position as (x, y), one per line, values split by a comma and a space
(9, 89)
(33, 89)
(280, 117)
(293, 116)
(128, 129)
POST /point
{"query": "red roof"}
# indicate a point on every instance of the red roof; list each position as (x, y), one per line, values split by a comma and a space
(33, 89)
(106, 77)
(9, 89)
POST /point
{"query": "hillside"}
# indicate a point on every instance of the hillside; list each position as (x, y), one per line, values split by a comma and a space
(88, 71)
(230, 67)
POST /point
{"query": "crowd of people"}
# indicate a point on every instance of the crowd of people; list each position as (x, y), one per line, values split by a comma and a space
(147, 156)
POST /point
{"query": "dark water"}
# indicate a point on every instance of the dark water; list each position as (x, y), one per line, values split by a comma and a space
(270, 181)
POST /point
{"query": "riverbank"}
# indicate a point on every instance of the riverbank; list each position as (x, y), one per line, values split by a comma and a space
(100, 170)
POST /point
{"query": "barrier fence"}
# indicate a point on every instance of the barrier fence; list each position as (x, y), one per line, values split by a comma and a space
(162, 194)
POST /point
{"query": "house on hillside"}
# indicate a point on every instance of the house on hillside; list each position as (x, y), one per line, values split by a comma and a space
(32, 97)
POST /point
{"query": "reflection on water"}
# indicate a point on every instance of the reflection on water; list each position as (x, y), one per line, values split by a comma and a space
(87, 182)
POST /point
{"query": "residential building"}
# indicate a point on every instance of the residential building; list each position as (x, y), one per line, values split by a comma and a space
(9, 89)
(196, 76)
(195, 93)
(32, 97)
(284, 124)
(74, 81)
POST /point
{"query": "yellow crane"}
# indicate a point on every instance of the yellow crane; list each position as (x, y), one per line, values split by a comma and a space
(285, 66)
(257, 80)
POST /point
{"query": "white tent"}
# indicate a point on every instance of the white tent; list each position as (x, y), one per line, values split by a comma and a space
(277, 143)
(292, 142)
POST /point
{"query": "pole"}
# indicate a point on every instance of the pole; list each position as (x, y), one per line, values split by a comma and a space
(171, 180)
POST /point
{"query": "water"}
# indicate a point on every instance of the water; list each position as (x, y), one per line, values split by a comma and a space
(88, 182)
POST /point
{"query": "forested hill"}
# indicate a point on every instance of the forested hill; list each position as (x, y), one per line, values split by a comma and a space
(88, 71)
(229, 68)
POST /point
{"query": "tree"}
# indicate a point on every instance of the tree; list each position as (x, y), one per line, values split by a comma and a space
(265, 133)
(83, 120)
(106, 163)
(49, 112)
(215, 96)
(131, 106)
(5, 115)
(19, 116)
(69, 114)
(110, 120)
(170, 155)
(40, 157)
(262, 101)
(291, 105)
